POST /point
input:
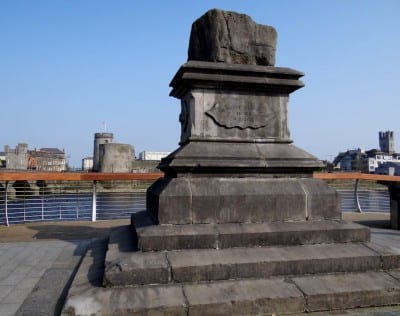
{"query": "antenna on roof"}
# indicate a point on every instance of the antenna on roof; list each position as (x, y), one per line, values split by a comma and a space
(104, 127)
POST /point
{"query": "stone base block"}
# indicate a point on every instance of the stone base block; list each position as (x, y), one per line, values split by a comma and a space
(350, 290)
(238, 263)
(201, 200)
(230, 235)
(199, 265)
(244, 297)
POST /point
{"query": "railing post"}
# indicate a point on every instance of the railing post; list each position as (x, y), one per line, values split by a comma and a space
(94, 202)
(356, 198)
(42, 203)
(6, 204)
(394, 191)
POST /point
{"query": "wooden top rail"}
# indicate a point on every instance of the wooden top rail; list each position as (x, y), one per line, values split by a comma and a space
(356, 176)
(152, 176)
(77, 176)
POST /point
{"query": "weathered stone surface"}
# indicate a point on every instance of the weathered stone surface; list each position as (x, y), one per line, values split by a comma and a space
(200, 236)
(137, 268)
(167, 237)
(169, 201)
(121, 239)
(237, 159)
(235, 263)
(245, 297)
(323, 202)
(231, 102)
(146, 300)
(290, 233)
(390, 256)
(349, 290)
(242, 200)
(234, 77)
(230, 37)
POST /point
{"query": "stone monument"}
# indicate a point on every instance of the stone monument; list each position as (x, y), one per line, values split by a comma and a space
(236, 162)
(238, 225)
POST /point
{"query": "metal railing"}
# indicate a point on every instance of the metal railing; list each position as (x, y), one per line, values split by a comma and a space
(39, 196)
(372, 196)
(31, 197)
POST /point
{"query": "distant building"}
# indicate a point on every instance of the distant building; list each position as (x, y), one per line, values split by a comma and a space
(17, 158)
(153, 155)
(44, 159)
(99, 139)
(370, 161)
(386, 142)
(111, 157)
(47, 159)
(349, 160)
(2, 159)
(87, 163)
(115, 157)
(389, 168)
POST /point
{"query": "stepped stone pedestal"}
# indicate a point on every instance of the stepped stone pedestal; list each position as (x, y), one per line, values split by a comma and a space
(237, 226)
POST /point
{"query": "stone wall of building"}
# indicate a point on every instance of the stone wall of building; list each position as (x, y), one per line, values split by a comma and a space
(47, 159)
(99, 139)
(115, 157)
(17, 159)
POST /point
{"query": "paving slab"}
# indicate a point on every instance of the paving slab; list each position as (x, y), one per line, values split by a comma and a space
(34, 275)
(91, 268)
(349, 290)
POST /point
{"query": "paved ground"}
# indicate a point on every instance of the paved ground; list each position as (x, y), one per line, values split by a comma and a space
(38, 260)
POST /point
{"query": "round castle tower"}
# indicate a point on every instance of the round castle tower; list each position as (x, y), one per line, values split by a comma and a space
(100, 138)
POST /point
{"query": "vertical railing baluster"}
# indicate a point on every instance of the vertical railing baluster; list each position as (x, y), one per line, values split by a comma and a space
(94, 202)
(24, 184)
(6, 204)
(60, 198)
(42, 188)
(77, 200)
(356, 197)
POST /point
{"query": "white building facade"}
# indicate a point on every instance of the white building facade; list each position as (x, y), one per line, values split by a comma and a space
(153, 155)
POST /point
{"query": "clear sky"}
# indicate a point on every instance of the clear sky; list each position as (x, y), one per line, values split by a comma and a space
(67, 66)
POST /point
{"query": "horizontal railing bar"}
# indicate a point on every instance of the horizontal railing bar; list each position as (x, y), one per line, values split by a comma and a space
(77, 176)
(355, 176)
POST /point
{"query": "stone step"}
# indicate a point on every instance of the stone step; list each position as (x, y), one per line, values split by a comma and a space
(183, 266)
(203, 236)
(242, 297)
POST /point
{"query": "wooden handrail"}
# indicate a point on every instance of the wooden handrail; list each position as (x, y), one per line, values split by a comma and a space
(356, 176)
(152, 176)
(77, 176)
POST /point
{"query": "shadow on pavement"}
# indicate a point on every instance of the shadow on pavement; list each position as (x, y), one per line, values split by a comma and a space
(68, 233)
(385, 224)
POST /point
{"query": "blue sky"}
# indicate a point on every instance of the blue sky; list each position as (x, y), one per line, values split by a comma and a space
(67, 66)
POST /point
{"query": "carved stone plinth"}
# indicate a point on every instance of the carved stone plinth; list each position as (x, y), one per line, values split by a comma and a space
(235, 142)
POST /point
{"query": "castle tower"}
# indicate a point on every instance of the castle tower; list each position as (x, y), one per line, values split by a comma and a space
(386, 142)
(100, 138)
